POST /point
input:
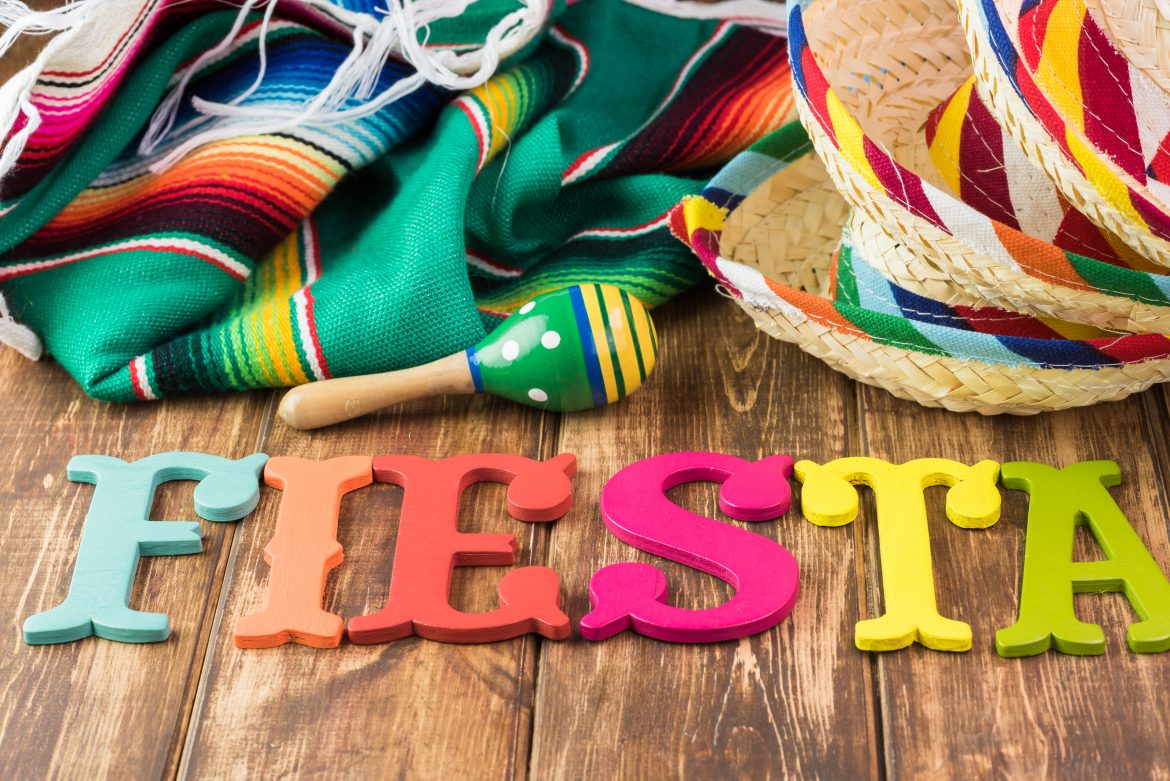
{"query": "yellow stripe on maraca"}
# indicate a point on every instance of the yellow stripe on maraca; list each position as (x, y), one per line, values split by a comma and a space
(647, 338)
(630, 305)
(628, 346)
(590, 294)
(623, 338)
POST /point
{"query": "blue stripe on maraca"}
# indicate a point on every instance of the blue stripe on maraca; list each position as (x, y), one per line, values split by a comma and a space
(473, 364)
(588, 348)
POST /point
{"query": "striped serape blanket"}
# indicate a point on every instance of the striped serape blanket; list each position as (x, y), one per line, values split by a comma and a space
(197, 196)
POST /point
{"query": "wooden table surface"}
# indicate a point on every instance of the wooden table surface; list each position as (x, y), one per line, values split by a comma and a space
(798, 701)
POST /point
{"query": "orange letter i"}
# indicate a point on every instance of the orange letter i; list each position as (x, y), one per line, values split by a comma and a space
(303, 551)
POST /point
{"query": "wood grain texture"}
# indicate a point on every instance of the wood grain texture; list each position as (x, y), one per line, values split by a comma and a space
(792, 702)
(976, 715)
(409, 708)
(796, 701)
(96, 708)
(25, 49)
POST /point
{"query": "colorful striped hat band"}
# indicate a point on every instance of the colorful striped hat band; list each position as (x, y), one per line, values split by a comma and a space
(1081, 109)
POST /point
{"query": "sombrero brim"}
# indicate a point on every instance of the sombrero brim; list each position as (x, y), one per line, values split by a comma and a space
(941, 359)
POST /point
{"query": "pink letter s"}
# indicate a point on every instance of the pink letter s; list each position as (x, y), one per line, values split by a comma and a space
(636, 510)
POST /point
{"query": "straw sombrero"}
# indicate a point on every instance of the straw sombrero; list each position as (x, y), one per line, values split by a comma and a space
(884, 88)
(962, 358)
(1076, 105)
(789, 224)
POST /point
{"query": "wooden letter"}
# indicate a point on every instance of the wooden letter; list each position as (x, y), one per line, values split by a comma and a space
(1062, 499)
(302, 551)
(118, 531)
(636, 509)
(829, 499)
(430, 545)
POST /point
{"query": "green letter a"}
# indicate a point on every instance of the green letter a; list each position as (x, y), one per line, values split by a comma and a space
(1061, 500)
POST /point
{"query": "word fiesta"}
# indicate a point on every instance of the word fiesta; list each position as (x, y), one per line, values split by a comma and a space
(635, 508)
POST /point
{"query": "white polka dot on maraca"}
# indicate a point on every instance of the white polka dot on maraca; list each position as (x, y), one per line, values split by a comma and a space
(510, 350)
(550, 339)
(536, 394)
(527, 307)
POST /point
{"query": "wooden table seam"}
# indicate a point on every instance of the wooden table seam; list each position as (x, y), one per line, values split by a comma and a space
(189, 728)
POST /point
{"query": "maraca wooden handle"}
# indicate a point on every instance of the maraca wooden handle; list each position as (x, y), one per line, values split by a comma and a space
(569, 349)
(333, 401)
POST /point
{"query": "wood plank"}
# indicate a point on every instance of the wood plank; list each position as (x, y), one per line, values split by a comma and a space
(25, 49)
(793, 702)
(96, 708)
(412, 706)
(976, 715)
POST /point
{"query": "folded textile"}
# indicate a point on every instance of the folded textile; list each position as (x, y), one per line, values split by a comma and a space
(232, 256)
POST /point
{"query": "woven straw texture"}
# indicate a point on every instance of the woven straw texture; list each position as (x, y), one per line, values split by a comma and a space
(955, 384)
(789, 226)
(1141, 31)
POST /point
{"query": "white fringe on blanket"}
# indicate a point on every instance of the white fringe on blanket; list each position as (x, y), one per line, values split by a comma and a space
(18, 337)
(375, 41)
(15, 94)
(395, 34)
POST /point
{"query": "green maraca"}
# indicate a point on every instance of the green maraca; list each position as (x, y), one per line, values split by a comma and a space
(579, 347)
